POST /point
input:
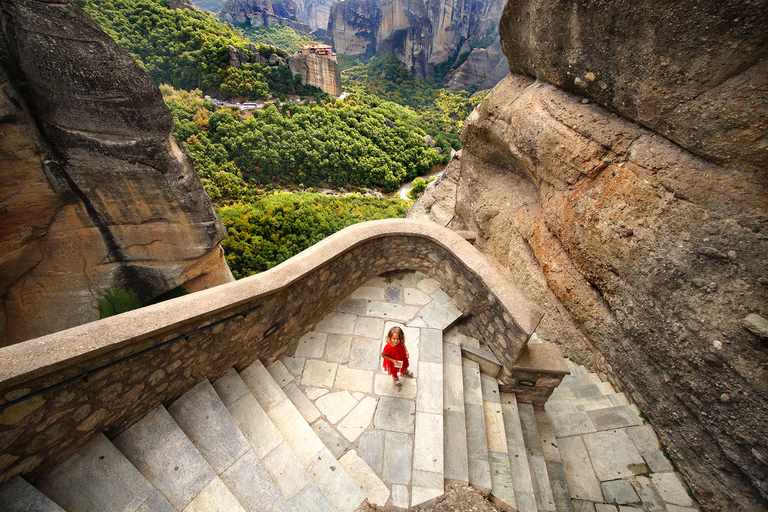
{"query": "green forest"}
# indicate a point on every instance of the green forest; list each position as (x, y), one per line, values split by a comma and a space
(262, 168)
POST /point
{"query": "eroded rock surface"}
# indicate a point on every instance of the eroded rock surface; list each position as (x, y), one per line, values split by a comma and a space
(484, 66)
(95, 191)
(647, 253)
(318, 69)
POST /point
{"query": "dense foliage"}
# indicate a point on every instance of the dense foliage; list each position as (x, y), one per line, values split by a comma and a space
(275, 227)
(278, 35)
(358, 142)
(442, 112)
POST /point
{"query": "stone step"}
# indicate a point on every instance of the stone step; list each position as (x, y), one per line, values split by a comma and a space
(18, 495)
(545, 501)
(161, 451)
(208, 424)
(293, 488)
(338, 487)
(357, 468)
(502, 486)
(554, 465)
(477, 445)
(518, 455)
(441, 313)
(454, 420)
(472, 349)
(99, 477)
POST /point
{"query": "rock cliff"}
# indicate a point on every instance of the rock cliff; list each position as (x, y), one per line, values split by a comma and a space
(484, 66)
(620, 177)
(95, 191)
(264, 13)
(420, 33)
(317, 66)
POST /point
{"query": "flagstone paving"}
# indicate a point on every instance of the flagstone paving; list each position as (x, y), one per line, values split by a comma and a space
(377, 428)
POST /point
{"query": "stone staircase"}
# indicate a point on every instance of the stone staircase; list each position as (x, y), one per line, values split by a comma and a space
(324, 429)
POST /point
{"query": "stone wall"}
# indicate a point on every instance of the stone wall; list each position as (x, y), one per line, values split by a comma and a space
(203, 335)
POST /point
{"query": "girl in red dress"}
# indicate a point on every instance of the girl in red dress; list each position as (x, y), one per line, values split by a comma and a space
(395, 355)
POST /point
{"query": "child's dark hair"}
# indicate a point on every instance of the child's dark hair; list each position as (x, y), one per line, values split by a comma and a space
(397, 330)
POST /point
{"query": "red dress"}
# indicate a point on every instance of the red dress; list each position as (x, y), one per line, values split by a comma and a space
(397, 353)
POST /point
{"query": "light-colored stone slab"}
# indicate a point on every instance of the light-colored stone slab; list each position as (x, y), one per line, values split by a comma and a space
(431, 346)
(559, 407)
(547, 435)
(315, 393)
(158, 448)
(332, 440)
(337, 323)
(230, 387)
(358, 420)
(577, 423)
(338, 487)
(473, 393)
(295, 365)
(318, 374)
(441, 297)
(420, 495)
(285, 470)
(369, 293)
(615, 417)
(311, 344)
(371, 449)
(310, 499)
(603, 507)
(522, 481)
(592, 403)
(542, 489)
(262, 385)
(296, 431)
(213, 498)
(671, 489)
(439, 316)
(207, 423)
(251, 485)
(365, 478)
(393, 294)
(428, 442)
(365, 353)
(401, 498)
(648, 493)
(155, 503)
(398, 458)
(395, 414)
(451, 353)
(353, 379)
(494, 427)
(559, 485)
(657, 462)
(337, 348)
(428, 479)
(416, 297)
(280, 373)
(644, 439)
(620, 492)
(18, 495)
(302, 403)
(613, 455)
(455, 446)
(430, 388)
(368, 327)
(675, 508)
(453, 388)
(336, 405)
(618, 399)
(356, 306)
(96, 477)
(428, 285)
(383, 385)
(477, 446)
(582, 481)
(501, 479)
(391, 311)
(255, 425)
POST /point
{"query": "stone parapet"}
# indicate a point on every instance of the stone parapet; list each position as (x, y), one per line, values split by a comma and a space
(536, 373)
(105, 375)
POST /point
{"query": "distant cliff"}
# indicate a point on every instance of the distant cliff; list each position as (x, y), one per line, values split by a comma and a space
(264, 13)
(95, 191)
(420, 33)
(620, 177)
(317, 66)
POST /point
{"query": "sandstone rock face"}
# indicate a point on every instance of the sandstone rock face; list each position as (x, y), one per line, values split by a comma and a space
(478, 68)
(320, 70)
(420, 33)
(687, 70)
(314, 13)
(646, 257)
(96, 192)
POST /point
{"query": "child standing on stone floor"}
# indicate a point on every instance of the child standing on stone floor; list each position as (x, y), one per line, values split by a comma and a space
(395, 355)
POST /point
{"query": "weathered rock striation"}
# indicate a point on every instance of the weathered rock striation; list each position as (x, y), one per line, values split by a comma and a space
(484, 66)
(264, 13)
(317, 67)
(96, 192)
(636, 214)
(420, 33)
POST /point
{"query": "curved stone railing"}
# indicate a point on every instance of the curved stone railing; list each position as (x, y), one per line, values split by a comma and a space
(59, 390)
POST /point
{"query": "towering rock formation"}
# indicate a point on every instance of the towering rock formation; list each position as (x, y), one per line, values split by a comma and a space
(420, 33)
(484, 66)
(620, 176)
(95, 191)
(317, 66)
(264, 13)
